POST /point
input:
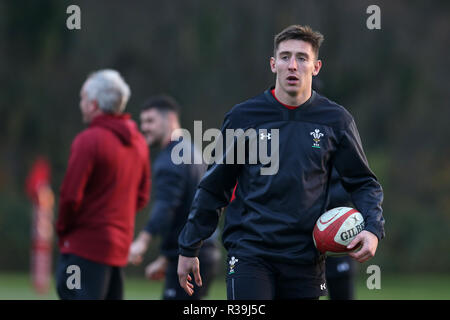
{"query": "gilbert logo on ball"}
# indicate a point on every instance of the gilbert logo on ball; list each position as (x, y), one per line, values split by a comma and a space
(335, 229)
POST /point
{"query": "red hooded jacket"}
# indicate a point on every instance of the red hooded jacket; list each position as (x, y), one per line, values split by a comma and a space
(106, 183)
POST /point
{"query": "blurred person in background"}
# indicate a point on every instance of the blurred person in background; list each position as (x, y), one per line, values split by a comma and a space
(174, 186)
(107, 181)
(340, 270)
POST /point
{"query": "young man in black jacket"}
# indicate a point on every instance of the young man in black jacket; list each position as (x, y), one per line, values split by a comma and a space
(268, 227)
(175, 186)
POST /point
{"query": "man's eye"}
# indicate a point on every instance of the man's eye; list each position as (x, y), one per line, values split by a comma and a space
(284, 58)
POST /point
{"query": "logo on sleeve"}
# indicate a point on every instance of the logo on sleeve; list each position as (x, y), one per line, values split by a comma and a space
(316, 134)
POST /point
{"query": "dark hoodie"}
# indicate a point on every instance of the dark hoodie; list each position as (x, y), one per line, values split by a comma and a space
(106, 183)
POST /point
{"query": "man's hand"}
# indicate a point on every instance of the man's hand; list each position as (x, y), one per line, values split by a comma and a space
(157, 269)
(187, 265)
(138, 248)
(368, 242)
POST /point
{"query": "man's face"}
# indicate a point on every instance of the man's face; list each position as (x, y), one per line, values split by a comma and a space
(87, 107)
(295, 64)
(154, 126)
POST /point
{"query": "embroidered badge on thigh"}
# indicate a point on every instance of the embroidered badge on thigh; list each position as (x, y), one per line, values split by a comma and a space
(232, 264)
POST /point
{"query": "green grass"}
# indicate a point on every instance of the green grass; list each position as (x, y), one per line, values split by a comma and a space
(15, 286)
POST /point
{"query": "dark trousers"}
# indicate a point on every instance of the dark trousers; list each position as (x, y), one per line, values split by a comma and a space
(341, 288)
(340, 275)
(258, 279)
(81, 279)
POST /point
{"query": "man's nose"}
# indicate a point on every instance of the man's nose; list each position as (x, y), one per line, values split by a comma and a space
(293, 64)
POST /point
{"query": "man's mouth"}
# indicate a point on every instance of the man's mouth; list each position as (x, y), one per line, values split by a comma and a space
(292, 79)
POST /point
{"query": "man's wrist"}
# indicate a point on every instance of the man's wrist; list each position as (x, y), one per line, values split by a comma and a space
(374, 231)
(189, 253)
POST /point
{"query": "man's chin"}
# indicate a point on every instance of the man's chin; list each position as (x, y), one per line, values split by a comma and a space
(152, 143)
(292, 90)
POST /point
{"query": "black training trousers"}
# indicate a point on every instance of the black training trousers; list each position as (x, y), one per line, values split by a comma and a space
(81, 279)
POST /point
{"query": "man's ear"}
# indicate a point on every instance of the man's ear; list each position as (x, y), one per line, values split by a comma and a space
(93, 106)
(272, 65)
(317, 67)
(171, 116)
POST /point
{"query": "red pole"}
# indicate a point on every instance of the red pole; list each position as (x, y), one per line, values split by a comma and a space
(43, 199)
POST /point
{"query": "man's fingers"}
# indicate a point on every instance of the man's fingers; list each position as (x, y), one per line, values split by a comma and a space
(187, 265)
(188, 290)
(357, 255)
(368, 243)
(362, 255)
(362, 258)
(182, 279)
(135, 260)
(154, 274)
(188, 283)
(354, 242)
(185, 284)
(197, 277)
(189, 287)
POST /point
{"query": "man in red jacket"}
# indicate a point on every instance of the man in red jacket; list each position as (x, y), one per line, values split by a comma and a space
(106, 183)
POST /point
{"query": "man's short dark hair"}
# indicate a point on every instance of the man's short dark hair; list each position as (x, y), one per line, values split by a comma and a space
(298, 32)
(163, 103)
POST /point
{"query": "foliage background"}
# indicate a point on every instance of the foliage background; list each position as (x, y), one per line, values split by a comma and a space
(211, 55)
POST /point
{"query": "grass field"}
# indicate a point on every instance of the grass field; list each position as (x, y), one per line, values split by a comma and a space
(16, 286)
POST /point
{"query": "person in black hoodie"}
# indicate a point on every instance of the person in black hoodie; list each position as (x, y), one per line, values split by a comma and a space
(174, 185)
(268, 227)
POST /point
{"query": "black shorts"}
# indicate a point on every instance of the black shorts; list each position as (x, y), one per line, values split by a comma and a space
(81, 279)
(258, 279)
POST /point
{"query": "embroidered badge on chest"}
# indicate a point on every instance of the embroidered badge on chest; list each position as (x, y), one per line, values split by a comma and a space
(316, 134)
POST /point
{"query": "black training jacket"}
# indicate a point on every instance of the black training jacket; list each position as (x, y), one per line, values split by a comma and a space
(175, 186)
(273, 216)
(338, 196)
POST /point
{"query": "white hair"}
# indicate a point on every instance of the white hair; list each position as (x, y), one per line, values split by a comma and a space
(109, 89)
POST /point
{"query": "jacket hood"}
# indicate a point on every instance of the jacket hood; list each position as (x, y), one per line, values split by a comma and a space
(121, 125)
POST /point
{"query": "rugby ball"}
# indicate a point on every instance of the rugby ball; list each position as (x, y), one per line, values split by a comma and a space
(335, 229)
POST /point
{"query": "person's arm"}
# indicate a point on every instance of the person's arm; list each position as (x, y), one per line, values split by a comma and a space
(169, 185)
(157, 269)
(366, 192)
(79, 169)
(144, 186)
(138, 247)
(213, 193)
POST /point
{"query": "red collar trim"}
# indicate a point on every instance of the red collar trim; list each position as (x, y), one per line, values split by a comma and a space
(287, 106)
